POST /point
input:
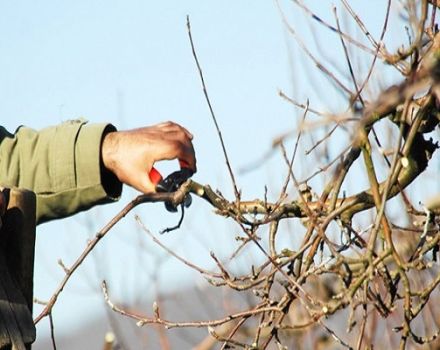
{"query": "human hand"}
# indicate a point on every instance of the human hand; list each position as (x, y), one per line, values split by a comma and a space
(130, 155)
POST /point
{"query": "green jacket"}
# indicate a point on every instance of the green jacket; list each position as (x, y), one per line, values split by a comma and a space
(61, 164)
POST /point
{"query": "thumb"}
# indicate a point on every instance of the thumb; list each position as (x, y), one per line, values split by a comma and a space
(145, 184)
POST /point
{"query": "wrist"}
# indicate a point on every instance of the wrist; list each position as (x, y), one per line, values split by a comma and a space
(109, 178)
(108, 150)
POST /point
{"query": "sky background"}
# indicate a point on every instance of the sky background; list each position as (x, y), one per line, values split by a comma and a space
(129, 63)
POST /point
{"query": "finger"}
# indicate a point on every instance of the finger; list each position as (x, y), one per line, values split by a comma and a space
(168, 123)
(176, 135)
(188, 134)
(174, 127)
(187, 158)
(180, 150)
(166, 126)
(144, 184)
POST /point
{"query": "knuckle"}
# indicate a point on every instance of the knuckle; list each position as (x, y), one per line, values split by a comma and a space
(170, 124)
(182, 135)
(179, 135)
(166, 124)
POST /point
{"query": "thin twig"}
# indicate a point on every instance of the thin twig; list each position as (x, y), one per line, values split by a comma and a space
(141, 321)
(347, 58)
(208, 101)
(52, 331)
(153, 197)
(327, 73)
(333, 29)
(172, 253)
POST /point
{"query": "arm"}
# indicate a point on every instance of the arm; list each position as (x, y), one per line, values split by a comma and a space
(74, 166)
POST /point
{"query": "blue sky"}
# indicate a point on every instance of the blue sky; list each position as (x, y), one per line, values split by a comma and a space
(130, 63)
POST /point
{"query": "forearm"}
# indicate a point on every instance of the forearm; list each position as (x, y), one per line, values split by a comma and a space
(61, 164)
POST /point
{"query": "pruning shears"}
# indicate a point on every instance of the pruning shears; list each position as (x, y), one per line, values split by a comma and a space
(172, 183)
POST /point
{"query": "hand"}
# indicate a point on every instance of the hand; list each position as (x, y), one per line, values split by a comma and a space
(131, 154)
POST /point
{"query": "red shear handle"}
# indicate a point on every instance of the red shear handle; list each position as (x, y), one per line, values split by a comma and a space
(155, 176)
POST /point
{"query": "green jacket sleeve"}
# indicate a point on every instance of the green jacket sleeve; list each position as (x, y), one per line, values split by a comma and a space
(61, 164)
